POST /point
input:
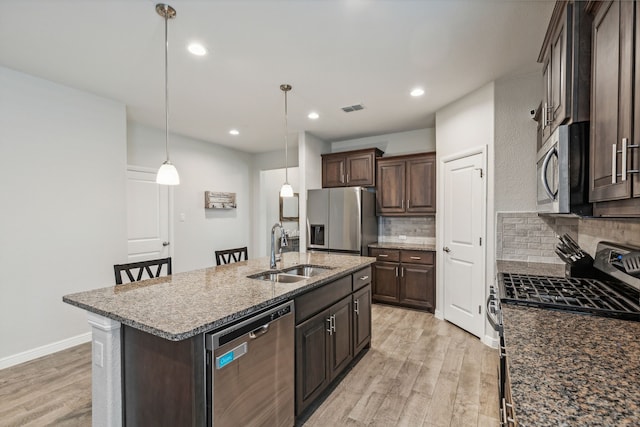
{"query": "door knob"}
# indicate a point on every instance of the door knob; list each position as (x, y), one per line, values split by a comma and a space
(446, 249)
(165, 243)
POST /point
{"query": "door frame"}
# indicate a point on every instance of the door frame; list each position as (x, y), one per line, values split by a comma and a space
(170, 230)
(440, 214)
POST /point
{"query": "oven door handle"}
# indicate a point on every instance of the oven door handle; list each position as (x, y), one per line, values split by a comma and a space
(491, 308)
(543, 173)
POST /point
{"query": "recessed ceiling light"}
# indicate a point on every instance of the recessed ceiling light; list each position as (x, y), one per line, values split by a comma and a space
(197, 49)
(313, 115)
(417, 92)
(234, 132)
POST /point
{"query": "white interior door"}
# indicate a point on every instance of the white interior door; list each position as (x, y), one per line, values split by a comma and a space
(147, 216)
(463, 256)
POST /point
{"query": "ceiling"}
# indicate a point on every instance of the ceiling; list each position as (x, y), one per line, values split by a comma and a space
(333, 52)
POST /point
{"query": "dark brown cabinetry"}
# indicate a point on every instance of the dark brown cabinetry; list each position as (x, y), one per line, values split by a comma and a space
(333, 326)
(406, 185)
(614, 128)
(404, 277)
(566, 59)
(350, 169)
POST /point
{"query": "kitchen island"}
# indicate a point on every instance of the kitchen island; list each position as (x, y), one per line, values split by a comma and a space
(171, 314)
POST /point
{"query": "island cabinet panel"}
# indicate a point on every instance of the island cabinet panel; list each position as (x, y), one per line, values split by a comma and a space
(361, 319)
(330, 332)
(409, 281)
(350, 168)
(163, 381)
(406, 185)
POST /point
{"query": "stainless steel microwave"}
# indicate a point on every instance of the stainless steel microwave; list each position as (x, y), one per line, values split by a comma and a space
(563, 171)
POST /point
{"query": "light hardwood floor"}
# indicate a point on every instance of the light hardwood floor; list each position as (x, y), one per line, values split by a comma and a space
(420, 371)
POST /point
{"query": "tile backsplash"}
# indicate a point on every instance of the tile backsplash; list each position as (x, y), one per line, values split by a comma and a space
(418, 230)
(525, 236)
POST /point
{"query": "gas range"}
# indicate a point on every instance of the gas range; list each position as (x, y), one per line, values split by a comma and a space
(615, 293)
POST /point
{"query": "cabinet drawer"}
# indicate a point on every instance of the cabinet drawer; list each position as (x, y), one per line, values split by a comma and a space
(417, 257)
(387, 255)
(361, 278)
(312, 302)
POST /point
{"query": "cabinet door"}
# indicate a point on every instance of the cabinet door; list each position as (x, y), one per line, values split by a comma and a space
(390, 187)
(333, 171)
(312, 375)
(341, 336)
(421, 185)
(385, 288)
(360, 169)
(611, 98)
(560, 65)
(417, 286)
(546, 99)
(361, 319)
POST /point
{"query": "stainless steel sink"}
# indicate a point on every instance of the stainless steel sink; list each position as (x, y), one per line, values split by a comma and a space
(291, 274)
(279, 277)
(306, 270)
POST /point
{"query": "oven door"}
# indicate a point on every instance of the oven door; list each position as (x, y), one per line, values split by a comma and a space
(548, 176)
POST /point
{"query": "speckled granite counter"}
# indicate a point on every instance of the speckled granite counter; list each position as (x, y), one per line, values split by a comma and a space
(571, 369)
(405, 246)
(185, 304)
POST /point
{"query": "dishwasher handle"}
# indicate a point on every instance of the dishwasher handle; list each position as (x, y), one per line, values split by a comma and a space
(259, 331)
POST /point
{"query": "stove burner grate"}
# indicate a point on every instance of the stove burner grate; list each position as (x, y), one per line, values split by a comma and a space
(571, 294)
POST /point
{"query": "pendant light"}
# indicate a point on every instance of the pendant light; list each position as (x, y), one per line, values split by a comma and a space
(167, 174)
(286, 190)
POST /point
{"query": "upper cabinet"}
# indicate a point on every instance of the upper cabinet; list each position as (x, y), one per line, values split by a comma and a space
(350, 168)
(406, 185)
(615, 129)
(565, 56)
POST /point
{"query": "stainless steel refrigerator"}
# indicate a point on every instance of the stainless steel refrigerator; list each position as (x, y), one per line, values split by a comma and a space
(341, 220)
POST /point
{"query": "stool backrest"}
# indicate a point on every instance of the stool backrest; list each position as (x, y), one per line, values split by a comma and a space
(228, 256)
(136, 270)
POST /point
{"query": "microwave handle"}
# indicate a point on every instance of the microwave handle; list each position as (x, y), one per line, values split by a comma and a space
(543, 173)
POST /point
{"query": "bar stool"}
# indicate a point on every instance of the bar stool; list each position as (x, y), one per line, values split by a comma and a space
(142, 267)
(228, 256)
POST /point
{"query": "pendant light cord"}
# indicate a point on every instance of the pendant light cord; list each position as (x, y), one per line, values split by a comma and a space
(286, 142)
(166, 81)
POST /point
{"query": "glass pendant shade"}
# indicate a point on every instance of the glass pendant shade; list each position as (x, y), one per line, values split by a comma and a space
(168, 174)
(286, 190)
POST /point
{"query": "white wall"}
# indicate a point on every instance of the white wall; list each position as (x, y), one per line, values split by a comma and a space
(269, 207)
(515, 142)
(202, 166)
(461, 126)
(63, 175)
(393, 144)
(310, 150)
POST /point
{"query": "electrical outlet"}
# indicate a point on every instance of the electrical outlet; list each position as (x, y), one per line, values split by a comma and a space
(98, 354)
(402, 237)
(183, 217)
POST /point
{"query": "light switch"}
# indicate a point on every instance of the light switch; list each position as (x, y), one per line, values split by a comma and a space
(183, 217)
(98, 354)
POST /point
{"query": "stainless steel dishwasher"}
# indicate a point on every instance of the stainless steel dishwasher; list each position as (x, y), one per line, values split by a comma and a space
(250, 368)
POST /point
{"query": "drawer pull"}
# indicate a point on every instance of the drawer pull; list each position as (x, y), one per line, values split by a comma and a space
(415, 257)
(383, 256)
(364, 277)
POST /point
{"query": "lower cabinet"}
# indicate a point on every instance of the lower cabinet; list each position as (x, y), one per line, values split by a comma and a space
(328, 340)
(404, 277)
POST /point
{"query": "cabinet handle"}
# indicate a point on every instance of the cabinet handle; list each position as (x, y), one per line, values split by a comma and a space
(364, 277)
(415, 257)
(382, 256)
(408, 203)
(625, 142)
(396, 271)
(333, 323)
(356, 307)
(347, 177)
(614, 157)
(402, 272)
(402, 205)
(330, 330)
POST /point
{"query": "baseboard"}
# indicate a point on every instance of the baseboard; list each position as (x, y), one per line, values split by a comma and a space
(44, 350)
(439, 315)
(491, 341)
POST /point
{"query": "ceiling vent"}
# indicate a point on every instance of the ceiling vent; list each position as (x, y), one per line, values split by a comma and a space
(351, 108)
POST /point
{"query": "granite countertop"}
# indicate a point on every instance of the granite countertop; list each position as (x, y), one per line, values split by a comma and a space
(405, 246)
(533, 268)
(572, 370)
(183, 305)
